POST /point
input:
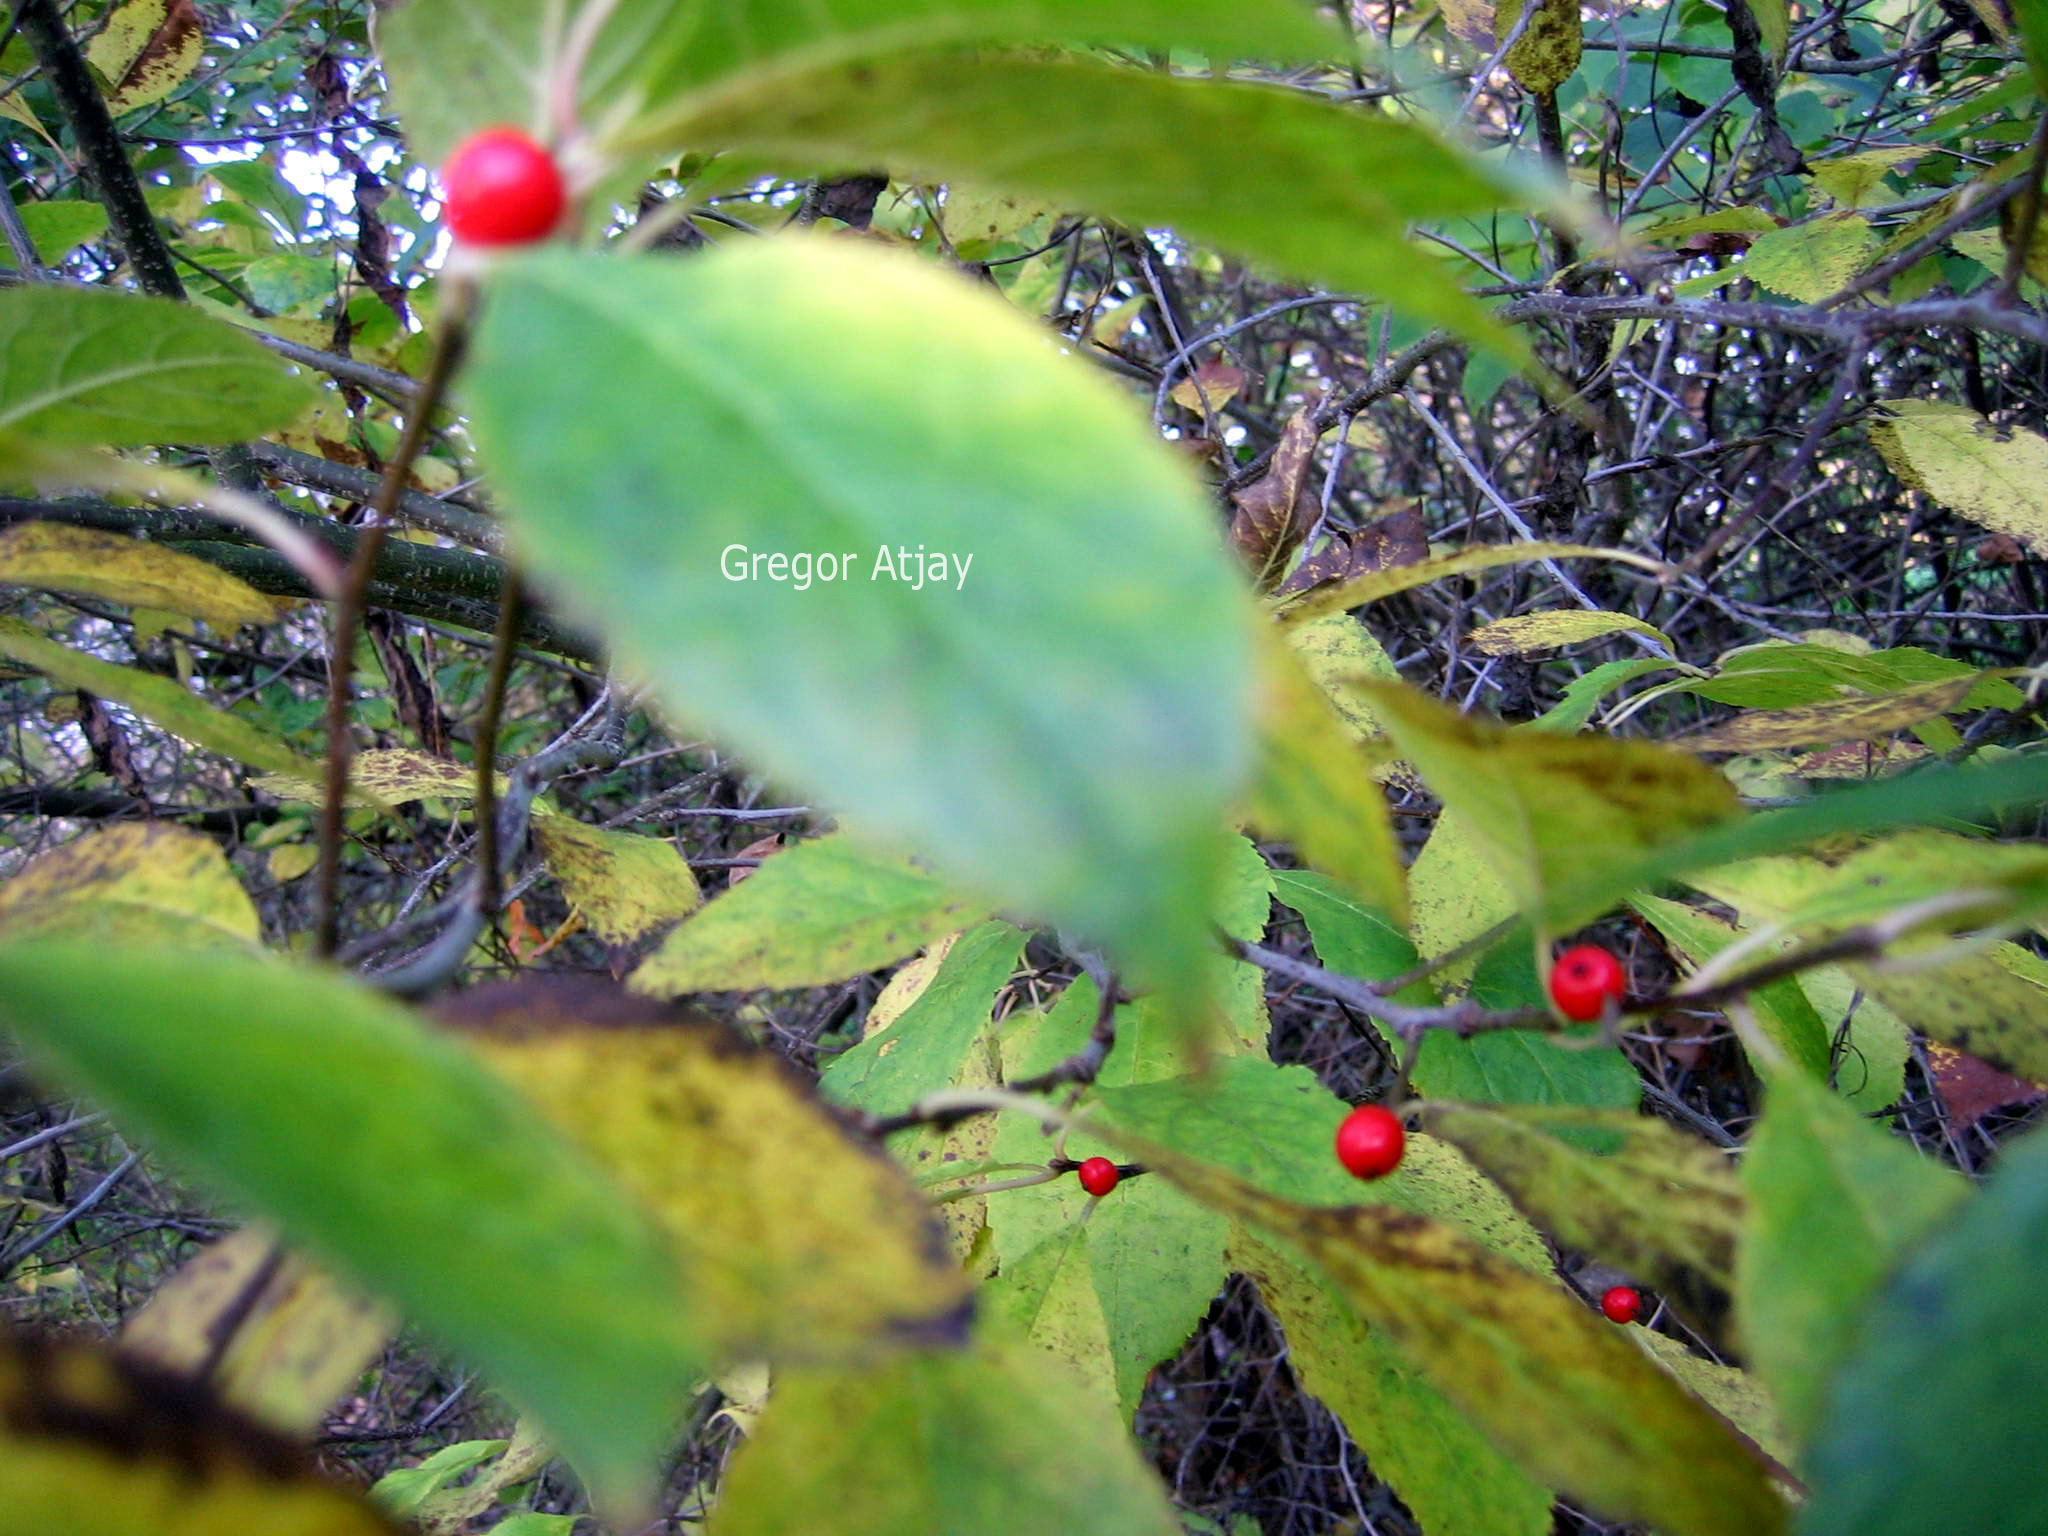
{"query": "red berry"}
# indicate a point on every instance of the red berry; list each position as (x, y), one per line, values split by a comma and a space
(1099, 1176)
(1583, 979)
(503, 189)
(1622, 1304)
(1370, 1141)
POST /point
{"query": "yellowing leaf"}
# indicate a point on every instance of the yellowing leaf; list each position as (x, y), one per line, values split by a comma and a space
(161, 700)
(626, 885)
(137, 881)
(59, 558)
(802, 1242)
(1520, 1358)
(386, 775)
(1376, 585)
(1549, 810)
(1820, 725)
(1314, 784)
(282, 1339)
(146, 50)
(90, 1444)
(1811, 261)
(1547, 53)
(1545, 631)
(1991, 475)
(819, 912)
(1209, 388)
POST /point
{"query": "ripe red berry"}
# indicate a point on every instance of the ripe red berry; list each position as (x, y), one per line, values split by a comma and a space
(1098, 1176)
(1370, 1141)
(1622, 1304)
(1583, 979)
(503, 189)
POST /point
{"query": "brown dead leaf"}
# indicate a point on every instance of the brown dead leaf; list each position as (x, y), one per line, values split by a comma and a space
(1397, 538)
(1209, 388)
(1972, 1087)
(1276, 511)
(759, 848)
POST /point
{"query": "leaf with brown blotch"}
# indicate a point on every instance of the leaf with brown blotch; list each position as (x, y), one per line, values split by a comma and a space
(90, 1442)
(1820, 725)
(147, 49)
(279, 1339)
(1276, 511)
(802, 1240)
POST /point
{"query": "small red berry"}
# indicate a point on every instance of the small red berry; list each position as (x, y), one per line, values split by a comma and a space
(1099, 1176)
(1370, 1141)
(1583, 979)
(1622, 1304)
(503, 189)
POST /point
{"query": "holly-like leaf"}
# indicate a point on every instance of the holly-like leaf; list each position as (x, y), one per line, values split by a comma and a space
(1633, 1191)
(1314, 784)
(1527, 632)
(816, 913)
(1056, 730)
(57, 558)
(1549, 810)
(88, 366)
(146, 50)
(390, 1152)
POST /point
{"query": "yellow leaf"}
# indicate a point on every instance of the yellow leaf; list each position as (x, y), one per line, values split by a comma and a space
(139, 880)
(626, 885)
(146, 50)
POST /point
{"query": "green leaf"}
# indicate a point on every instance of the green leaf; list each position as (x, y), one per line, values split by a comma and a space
(987, 1442)
(146, 882)
(57, 558)
(403, 1490)
(1356, 178)
(1781, 1008)
(1933, 1421)
(455, 67)
(89, 367)
(1833, 1204)
(59, 228)
(1274, 1126)
(1990, 475)
(921, 1051)
(1446, 1472)
(1058, 730)
(802, 1241)
(1908, 799)
(1561, 1391)
(1821, 725)
(820, 912)
(163, 701)
(1582, 695)
(393, 1153)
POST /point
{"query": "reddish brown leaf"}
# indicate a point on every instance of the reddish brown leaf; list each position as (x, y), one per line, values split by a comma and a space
(1397, 538)
(1972, 1088)
(1276, 511)
(759, 848)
